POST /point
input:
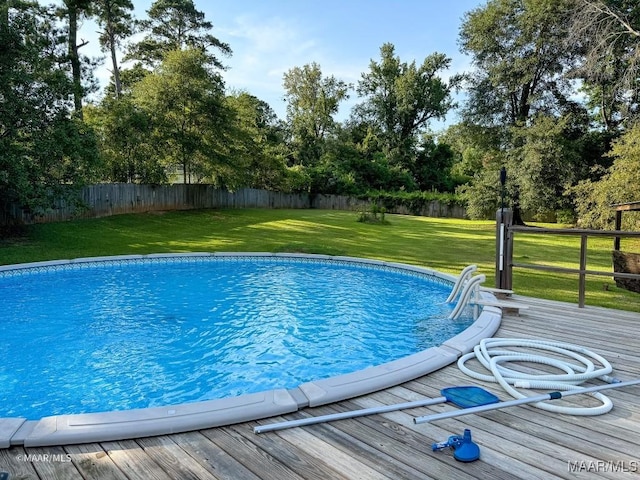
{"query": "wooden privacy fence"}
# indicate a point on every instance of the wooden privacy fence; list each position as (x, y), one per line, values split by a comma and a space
(505, 236)
(117, 198)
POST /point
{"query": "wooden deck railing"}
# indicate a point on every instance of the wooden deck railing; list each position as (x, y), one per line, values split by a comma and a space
(505, 237)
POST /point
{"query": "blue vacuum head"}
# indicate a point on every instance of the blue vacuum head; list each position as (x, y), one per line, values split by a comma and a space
(466, 450)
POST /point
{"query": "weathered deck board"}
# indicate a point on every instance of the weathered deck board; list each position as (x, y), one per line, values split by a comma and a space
(93, 462)
(132, 459)
(13, 461)
(216, 461)
(173, 459)
(519, 442)
(58, 465)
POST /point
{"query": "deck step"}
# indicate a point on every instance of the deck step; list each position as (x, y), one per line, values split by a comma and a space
(500, 293)
(507, 306)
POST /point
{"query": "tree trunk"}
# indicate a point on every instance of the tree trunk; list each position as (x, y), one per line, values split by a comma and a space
(517, 212)
(114, 59)
(74, 57)
(523, 104)
(116, 70)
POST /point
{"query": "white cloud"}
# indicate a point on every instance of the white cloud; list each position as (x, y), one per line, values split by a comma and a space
(264, 49)
(264, 35)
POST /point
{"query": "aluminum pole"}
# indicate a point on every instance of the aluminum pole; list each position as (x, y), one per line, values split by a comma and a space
(350, 414)
(522, 401)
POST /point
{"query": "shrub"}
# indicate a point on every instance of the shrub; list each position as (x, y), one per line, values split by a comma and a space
(415, 202)
(372, 214)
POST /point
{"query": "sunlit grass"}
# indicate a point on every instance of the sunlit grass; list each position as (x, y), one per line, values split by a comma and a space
(443, 244)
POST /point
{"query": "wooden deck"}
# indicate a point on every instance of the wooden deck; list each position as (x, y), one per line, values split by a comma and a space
(519, 442)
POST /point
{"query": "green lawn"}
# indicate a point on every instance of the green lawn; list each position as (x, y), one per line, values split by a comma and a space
(443, 244)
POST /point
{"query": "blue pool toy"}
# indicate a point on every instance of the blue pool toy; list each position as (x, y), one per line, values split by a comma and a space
(464, 449)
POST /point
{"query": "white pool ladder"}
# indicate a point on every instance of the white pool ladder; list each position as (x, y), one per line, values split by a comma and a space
(465, 275)
(471, 288)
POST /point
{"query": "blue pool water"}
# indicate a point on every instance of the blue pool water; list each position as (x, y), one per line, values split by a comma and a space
(105, 336)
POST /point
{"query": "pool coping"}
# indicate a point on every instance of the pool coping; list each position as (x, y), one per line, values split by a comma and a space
(136, 423)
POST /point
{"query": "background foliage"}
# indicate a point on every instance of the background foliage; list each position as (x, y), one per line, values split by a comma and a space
(552, 96)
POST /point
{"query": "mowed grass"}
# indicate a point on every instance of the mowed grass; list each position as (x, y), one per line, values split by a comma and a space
(447, 245)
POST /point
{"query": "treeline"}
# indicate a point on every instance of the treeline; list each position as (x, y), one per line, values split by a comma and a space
(552, 97)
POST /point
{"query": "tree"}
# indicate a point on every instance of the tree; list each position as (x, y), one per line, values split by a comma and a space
(44, 150)
(115, 19)
(312, 103)
(521, 62)
(175, 25)
(545, 164)
(184, 100)
(608, 33)
(74, 10)
(401, 99)
(544, 159)
(257, 143)
(619, 184)
(124, 136)
(128, 78)
(520, 56)
(353, 164)
(433, 164)
(473, 147)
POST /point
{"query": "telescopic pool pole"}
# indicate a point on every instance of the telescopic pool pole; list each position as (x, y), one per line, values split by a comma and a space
(522, 401)
(351, 414)
(464, 396)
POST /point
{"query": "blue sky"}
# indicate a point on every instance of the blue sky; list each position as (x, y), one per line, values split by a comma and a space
(269, 37)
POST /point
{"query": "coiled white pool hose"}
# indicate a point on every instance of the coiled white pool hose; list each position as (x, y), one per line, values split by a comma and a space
(492, 356)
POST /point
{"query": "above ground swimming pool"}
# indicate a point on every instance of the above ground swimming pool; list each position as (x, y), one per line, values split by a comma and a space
(119, 347)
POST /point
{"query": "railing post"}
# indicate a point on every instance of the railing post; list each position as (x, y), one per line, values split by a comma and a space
(616, 240)
(504, 248)
(582, 282)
